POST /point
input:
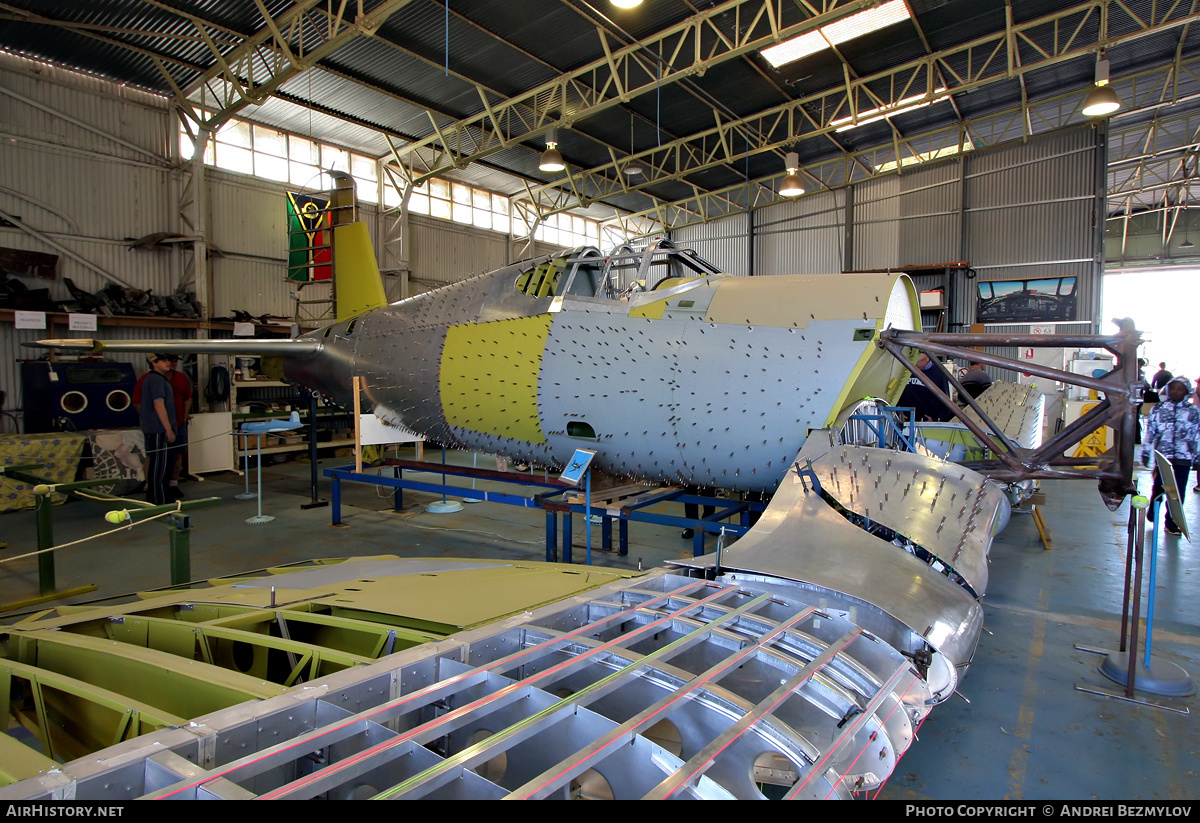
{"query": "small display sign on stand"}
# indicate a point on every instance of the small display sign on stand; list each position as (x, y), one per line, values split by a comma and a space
(577, 466)
(574, 472)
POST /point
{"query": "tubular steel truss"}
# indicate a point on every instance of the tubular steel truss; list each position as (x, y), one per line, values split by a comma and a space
(1121, 391)
(215, 71)
(689, 48)
(1010, 54)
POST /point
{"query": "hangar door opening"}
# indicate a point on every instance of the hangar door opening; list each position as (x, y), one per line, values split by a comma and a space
(1165, 305)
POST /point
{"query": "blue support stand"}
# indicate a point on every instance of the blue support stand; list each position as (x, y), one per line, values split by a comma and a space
(1159, 677)
(587, 514)
(444, 506)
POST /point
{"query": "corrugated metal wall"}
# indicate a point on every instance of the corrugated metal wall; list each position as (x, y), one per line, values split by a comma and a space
(931, 204)
(801, 237)
(127, 114)
(1030, 213)
(1018, 211)
(875, 230)
(444, 252)
(725, 243)
(106, 146)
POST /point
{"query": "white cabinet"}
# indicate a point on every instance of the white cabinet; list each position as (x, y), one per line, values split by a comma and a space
(209, 443)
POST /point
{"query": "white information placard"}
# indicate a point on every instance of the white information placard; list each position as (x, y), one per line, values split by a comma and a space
(29, 319)
(243, 329)
(81, 322)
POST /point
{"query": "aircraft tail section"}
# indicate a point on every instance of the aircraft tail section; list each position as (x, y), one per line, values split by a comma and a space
(356, 274)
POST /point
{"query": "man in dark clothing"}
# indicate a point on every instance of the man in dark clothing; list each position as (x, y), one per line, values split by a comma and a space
(158, 427)
(1157, 384)
(926, 404)
(976, 380)
(183, 402)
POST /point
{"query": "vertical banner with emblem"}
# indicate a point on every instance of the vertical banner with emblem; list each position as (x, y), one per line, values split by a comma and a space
(310, 238)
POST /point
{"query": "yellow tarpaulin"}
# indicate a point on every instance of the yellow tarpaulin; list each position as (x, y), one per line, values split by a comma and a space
(58, 453)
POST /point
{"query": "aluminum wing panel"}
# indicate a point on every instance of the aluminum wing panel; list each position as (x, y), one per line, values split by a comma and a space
(657, 686)
(1017, 409)
(949, 511)
(794, 539)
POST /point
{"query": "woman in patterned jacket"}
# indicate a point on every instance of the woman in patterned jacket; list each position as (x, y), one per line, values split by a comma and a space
(1174, 430)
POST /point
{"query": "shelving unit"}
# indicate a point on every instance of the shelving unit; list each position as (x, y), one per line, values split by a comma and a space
(244, 392)
(933, 315)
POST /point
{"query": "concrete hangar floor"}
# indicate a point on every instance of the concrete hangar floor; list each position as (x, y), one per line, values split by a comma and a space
(1027, 732)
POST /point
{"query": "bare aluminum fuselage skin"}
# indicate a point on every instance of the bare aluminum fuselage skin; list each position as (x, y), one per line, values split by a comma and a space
(712, 382)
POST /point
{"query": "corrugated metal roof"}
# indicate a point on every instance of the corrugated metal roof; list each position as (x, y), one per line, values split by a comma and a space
(395, 81)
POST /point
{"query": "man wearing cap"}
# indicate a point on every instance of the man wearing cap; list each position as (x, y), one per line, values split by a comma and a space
(1174, 430)
(158, 426)
(182, 388)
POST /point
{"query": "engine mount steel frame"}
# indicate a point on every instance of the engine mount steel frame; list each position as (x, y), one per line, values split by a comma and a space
(1121, 390)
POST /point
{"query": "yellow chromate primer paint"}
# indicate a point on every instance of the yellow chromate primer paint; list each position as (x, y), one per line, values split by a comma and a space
(489, 376)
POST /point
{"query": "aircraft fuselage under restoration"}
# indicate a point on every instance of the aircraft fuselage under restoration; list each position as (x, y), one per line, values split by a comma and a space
(711, 380)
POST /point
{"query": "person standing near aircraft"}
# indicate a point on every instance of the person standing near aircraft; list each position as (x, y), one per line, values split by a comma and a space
(182, 389)
(926, 404)
(1158, 383)
(1174, 430)
(158, 427)
(976, 380)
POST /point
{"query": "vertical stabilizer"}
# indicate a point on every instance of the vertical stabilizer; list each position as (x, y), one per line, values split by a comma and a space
(356, 274)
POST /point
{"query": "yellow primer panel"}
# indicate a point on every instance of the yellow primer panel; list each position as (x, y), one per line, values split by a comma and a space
(470, 597)
(798, 299)
(652, 310)
(355, 272)
(489, 376)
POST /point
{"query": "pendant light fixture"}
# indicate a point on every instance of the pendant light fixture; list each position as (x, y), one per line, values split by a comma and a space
(552, 160)
(1101, 101)
(792, 187)
(1187, 199)
(633, 168)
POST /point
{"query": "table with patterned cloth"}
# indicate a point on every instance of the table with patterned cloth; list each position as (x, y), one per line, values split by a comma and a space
(117, 455)
(58, 453)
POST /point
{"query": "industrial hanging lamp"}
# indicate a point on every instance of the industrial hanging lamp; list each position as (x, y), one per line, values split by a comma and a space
(633, 168)
(1187, 200)
(551, 159)
(626, 4)
(1101, 101)
(792, 187)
